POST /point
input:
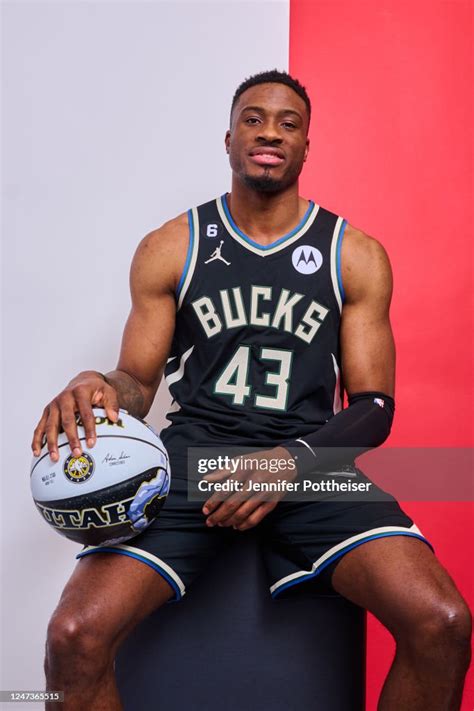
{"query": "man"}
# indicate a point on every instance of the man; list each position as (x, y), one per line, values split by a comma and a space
(259, 304)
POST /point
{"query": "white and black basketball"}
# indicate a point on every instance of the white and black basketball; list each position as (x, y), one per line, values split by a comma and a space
(113, 491)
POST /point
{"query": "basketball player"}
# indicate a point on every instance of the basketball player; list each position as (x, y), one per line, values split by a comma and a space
(259, 306)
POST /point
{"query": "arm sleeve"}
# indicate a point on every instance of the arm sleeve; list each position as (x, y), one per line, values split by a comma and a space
(365, 424)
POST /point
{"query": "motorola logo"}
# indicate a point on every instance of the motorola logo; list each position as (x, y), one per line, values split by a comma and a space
(306, 259)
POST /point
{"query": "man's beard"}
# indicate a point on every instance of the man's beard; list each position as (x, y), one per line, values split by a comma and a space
(265, 183)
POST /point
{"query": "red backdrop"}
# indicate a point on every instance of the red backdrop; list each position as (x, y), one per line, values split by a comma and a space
(391, 150)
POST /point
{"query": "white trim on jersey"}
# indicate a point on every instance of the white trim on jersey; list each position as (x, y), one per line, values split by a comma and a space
(307, 445)
(178, 374)
(337, 402)
(194, 254)
(334, 279)
(280, 243)
(348, 543)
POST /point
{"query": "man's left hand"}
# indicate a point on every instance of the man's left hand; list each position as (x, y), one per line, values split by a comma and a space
(239, 506)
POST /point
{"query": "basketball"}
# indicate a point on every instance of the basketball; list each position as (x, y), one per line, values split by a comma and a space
(113, 491)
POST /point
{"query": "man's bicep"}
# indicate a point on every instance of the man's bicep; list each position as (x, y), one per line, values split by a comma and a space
(368, 352)
(148, 333)
(367, 345)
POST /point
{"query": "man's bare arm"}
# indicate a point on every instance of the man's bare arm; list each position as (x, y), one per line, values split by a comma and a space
(155, 272)
(368, 350)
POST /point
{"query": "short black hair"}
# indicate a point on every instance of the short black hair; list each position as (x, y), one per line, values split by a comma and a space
(273, 76)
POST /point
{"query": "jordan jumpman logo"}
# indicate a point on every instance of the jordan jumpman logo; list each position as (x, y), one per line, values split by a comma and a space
(217, 255)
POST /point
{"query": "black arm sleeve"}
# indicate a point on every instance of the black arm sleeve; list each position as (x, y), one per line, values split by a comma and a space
(365, 424)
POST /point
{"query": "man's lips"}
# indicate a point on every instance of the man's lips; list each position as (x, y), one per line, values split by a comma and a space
(267, 156)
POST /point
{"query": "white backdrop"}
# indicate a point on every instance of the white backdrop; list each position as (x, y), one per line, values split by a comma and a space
(114, 116)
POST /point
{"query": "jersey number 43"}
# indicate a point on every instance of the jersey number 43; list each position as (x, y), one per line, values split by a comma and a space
(233, 381)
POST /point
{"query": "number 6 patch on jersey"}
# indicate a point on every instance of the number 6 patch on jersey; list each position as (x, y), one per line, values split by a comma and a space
(211, 230)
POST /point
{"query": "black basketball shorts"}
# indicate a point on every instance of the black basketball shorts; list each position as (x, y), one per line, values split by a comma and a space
(302, 542)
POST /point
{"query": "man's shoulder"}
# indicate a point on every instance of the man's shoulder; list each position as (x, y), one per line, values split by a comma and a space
(361, 246)
(365, 263)
(169, 233)
(176, 228)
(160, 256)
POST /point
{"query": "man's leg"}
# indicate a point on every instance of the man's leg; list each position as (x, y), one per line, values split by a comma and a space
(106, 596)
(401, 582)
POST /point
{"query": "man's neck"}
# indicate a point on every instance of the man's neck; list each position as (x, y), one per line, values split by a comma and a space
(265, 216)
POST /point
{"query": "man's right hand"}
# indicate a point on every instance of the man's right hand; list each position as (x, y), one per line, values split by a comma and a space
(85, 391)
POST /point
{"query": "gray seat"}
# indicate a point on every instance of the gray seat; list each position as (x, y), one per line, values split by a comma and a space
(227, 646)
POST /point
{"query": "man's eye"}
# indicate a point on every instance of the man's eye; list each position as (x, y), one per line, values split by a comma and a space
(252, 120)
(289, 124)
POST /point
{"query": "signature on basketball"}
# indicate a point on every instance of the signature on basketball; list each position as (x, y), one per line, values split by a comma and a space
(113, 461)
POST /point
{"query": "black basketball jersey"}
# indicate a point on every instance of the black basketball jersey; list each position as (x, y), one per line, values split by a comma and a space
(255, 358)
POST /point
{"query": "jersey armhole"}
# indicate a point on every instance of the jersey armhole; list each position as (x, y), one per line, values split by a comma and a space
(336, 271)
(191, 256)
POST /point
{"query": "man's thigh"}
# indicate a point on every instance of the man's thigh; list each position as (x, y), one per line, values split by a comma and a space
(399, 580)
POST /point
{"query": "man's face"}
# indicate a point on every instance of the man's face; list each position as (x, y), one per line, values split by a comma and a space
(267, 141)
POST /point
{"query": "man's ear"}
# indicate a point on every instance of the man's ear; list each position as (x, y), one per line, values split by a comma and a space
(306, 150)
(227, 141)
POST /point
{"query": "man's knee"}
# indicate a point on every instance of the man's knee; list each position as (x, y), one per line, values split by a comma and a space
(442, 630)
(78, 640)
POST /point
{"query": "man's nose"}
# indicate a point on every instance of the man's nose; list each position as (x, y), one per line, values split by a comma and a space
(270, 133)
